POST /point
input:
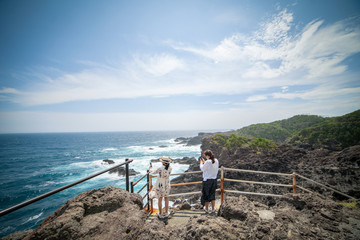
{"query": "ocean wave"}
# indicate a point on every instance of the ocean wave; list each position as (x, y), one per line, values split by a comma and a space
(165, 149)
(33, 218)
(109, 149)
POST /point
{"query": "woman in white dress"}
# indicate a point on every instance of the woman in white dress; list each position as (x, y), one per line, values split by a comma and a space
(161, 189)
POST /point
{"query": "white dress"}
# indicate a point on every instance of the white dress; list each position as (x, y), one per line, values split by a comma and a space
(161, 188)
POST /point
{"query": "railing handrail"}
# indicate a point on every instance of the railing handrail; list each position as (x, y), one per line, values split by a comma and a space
(261, 172)
(176, 174)
(223, 179)
(45, 195)
(324, 186)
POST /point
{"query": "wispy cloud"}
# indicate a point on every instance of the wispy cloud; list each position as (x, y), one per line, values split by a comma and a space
(272, 57)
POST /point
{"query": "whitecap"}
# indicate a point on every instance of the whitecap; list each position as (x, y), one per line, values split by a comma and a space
(178, 149)
(33, 217)
(109, 149)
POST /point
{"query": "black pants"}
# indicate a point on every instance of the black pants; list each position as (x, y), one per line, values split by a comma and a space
(208, 190)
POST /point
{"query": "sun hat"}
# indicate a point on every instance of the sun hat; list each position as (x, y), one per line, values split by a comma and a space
(165, 160)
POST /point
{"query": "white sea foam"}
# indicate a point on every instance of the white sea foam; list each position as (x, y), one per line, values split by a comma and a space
(109, 149)
(33, 217)
(47, 183)
(165, 149)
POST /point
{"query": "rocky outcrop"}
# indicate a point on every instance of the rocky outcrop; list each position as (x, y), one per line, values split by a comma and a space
(108, 161)
(113, 213)
(184, 160)
(292, 217)
(303, 216)
(106, 213)
(337, 169)
(121, 171)
(191, 141)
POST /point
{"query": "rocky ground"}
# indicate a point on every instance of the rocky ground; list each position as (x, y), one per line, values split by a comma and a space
(112, 213)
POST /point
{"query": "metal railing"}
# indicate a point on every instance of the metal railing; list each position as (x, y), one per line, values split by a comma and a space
(45, 195)
(147, 185)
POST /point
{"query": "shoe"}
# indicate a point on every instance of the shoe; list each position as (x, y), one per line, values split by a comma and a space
(206, 211)
(166, 214)
(159, 216)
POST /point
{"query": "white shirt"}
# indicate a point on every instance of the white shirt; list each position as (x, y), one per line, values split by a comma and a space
(209, 169)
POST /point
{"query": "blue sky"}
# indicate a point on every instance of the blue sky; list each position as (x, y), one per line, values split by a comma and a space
(77, 66)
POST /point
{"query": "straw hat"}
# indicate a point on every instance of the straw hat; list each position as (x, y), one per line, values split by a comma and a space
(165, 160)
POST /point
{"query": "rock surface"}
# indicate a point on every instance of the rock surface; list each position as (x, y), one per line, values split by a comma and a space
(316, 219)
(106, 213)
(120, 170)
(191, 141)
(337, 169)
(184, 160)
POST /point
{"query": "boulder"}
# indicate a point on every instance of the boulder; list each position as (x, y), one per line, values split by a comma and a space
(108, 161)
(106, 213)
(122, 172)
(184, 160)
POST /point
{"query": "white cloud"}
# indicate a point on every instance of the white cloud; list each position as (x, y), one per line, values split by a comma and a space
(222, 103)
(9, 91)
(284, 89)
(276, 31)
(256, 98)
(272, 57)
(159, 65)
(322, 92)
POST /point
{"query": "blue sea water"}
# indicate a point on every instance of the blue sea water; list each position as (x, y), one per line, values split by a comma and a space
(33, 164)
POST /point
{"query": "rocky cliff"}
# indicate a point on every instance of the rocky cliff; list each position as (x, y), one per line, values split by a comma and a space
(106, 213)
(338, 169)
(112, 213)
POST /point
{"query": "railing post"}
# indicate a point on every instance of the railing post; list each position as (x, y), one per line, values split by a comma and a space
(294, 183)
(127, 174)
(132, 187)
(222, 184)
(148, 189)
(151, 201)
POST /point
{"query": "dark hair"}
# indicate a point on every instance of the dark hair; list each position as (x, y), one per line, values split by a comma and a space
(167, 166)
(210, 154)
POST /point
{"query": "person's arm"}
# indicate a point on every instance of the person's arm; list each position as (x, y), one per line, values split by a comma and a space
(155, 171)
(204, 166)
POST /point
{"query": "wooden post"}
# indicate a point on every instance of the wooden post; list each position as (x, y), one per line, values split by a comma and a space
(222, 184)
(294, 183)
(132, 187)
(127, 174)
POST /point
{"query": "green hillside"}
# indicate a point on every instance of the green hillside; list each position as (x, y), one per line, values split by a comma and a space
(334, 133)
(279, 131)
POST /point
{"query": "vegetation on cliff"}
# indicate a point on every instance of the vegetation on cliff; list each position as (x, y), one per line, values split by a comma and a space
(234, 141)
(334, 133)
(279, 131)
(312, 131)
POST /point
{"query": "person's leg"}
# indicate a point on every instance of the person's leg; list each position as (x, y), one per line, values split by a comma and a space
(213, 205)
(207, 206)
(212, 193)
(160, 204)
(166, 204)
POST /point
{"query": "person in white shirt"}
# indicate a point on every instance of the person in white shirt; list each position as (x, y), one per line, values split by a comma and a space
(210, 168)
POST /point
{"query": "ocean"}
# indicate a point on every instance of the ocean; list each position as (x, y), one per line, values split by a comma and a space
(33, 164)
